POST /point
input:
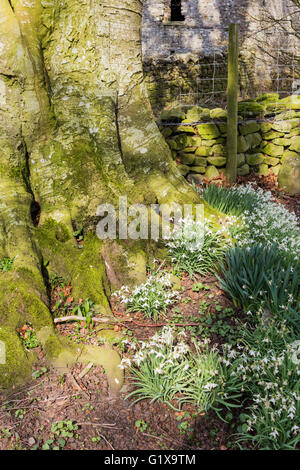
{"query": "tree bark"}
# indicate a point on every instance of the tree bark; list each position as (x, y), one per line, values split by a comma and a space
(76, 130)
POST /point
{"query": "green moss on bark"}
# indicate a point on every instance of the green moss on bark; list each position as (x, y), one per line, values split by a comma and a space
(17, 367)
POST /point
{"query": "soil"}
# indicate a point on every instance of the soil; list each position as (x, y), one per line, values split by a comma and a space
(105, 422)
(86, 402)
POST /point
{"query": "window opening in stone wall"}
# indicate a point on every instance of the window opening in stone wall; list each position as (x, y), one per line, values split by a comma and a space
(176, 14)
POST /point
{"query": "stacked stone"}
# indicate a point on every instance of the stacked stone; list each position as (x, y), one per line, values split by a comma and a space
(165, 77)
(268, 133)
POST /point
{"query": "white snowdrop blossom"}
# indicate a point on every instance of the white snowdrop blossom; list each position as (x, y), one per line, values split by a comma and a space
(271, 380)
(195, 246)
(151, 298)
(268, 223)
(167, 366)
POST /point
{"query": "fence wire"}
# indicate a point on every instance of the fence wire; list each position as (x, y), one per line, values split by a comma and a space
(280, 64)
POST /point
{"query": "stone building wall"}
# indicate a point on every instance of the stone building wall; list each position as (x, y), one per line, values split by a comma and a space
(181, 56)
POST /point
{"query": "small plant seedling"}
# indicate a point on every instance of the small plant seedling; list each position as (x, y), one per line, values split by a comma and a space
(87, 310)
(48, 445)
(184, 426)
(176, 310)
(6, 264)
(20, 413)
(88, 407)
(228, 417)
(78, 233)
(203, 307)
(39, 372)
(31, 340)
(127, 332)
(177, 318)
(141, 425)
(200, 286)
(64, 429)
(62, 379)
(58, 281)
(28, 336)
(5, 433)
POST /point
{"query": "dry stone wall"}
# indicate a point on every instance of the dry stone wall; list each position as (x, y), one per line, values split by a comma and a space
(268, 133)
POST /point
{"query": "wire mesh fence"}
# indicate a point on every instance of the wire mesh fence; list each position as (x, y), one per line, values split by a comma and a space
(187, 85)
(194, 116)
(275, 71)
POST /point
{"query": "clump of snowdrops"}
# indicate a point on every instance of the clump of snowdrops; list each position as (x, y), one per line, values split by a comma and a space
(166, 368)
(197, 247)
(152, 297)
(262, 219)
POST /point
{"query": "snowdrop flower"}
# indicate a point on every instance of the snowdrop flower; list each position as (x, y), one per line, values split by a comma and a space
(274, 433)
(210, 386)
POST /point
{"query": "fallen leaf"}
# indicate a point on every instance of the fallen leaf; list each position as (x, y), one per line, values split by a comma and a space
(67, 291)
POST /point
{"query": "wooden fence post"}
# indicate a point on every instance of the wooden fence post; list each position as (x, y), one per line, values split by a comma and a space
(232, 103)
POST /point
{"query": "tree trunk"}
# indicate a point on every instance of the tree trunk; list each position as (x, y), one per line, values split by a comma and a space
(76, 130)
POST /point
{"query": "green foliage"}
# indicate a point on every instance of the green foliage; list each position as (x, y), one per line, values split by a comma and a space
(150, 298)
(271, 387)
(20, 413)
(262, 334)
(58, 281)
(64, 428)
(261, 219)
(220, 323)
(259, 369)
(5, 433)
(258, 277)
(66, 304)
(61, 431)
(31, 341)
(141, 425)
(199, 286)
(86, 310)
(197, 252)
(167, 369)
(38, 373)
(244, 271)
(184, 426)
(6, 264)
(78, 234)
(231, 201)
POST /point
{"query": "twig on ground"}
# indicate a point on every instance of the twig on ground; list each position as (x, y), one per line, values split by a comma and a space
(149, 325)
(76, 385)
(76, 318)
(129, 320)
(85, 370)
(104, 425)
(107, 442)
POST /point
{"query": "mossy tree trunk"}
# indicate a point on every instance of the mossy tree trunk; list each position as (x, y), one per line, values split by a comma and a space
(76, 130)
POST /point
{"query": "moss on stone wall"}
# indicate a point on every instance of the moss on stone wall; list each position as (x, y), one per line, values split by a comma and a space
(166, 81)
(269, 130)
